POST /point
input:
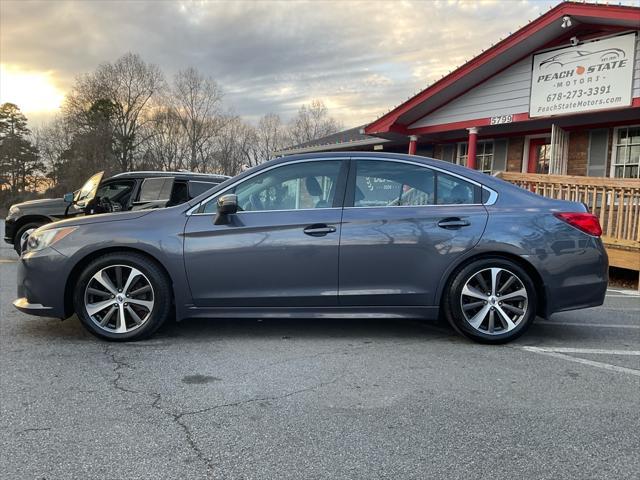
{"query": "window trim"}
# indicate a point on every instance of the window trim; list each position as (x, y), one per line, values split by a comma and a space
(344, 160)
(614, 150)
(461, 145)
(350, 191)
(493, 195)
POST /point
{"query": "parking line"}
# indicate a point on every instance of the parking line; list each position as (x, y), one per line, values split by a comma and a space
(628, 293)
(578, 324)
(606, 366)
(594, 351)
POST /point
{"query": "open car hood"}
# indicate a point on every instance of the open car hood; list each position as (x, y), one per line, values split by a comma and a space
(89, 189)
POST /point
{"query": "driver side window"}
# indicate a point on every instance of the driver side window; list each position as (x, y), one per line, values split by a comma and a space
(117, 193)
(296, 186)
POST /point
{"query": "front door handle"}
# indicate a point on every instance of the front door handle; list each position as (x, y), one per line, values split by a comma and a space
(319, 229)
(453, 223)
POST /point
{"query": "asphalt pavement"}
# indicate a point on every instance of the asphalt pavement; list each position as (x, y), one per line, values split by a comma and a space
(321, 399)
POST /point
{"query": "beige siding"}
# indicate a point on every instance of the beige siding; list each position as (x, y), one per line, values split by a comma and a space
(504, 94)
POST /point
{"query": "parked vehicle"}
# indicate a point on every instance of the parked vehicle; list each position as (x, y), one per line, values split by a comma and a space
(339, 234)
(125, 191)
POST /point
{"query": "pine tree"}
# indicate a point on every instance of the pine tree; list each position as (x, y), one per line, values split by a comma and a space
(19, 159)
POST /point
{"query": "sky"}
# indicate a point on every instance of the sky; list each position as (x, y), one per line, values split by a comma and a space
(360, 58)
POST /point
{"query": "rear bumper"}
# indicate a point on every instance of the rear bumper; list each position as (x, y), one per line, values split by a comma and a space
(41, 283)
(576, 279)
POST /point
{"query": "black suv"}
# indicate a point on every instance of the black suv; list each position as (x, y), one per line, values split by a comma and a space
(125, 191)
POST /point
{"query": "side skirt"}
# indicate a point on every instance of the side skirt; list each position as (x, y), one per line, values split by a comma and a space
(427, 313)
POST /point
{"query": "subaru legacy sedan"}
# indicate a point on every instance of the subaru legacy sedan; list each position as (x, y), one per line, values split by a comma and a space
(325, 235)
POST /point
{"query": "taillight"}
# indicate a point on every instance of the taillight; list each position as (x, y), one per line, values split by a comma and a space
(587, 222)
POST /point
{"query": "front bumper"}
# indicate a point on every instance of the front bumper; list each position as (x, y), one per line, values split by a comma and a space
(9, 230)
(37, 309)
(42, 278)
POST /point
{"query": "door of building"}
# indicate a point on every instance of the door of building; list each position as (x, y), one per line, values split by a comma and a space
(539, 155)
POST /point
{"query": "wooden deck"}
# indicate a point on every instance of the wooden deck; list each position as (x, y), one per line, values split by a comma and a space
(615, 201)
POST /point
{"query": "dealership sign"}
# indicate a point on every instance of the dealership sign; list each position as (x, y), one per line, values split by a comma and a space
(591, 76)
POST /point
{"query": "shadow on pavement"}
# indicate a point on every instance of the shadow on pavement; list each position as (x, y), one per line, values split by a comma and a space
(203, 330)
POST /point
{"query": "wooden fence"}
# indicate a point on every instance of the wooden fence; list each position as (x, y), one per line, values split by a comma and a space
(615, 201)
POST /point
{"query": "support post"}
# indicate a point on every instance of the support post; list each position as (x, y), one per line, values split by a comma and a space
(413, 141)
(472, 147)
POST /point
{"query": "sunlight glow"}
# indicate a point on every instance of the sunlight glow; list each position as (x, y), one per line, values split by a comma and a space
(31, 91)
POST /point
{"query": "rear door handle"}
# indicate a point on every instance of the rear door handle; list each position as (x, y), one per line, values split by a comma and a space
(453, 223)
(319, 229)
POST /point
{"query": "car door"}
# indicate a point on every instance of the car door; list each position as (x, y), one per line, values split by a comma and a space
(403, 224)
(280, 249)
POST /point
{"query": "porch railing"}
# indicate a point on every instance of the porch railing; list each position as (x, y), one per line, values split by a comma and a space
(615, 201)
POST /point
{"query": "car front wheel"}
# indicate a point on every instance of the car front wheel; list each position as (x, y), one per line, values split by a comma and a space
(122, 297)
(491, 300)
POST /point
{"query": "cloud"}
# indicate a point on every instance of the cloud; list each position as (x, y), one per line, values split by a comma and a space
(362, 58)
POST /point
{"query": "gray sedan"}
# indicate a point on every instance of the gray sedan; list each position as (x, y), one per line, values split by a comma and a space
(325, 235)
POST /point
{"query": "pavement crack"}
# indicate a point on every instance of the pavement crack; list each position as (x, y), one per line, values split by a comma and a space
(180, 417)
(260, 399)
(27, 430)
(119, 365)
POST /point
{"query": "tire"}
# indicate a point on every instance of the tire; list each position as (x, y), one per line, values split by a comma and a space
(17, 240)
(141, 292)
(498, 315)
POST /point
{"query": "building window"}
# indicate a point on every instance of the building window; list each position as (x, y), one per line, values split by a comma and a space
(626, 152)
(484, 155)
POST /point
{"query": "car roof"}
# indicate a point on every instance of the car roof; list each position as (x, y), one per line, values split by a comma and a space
(180, 175)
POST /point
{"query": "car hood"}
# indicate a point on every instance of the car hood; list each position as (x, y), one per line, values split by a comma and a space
(42, 202)
(100, 218)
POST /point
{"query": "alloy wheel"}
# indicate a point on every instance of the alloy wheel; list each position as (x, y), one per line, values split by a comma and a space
(494, 301)
(119, 299)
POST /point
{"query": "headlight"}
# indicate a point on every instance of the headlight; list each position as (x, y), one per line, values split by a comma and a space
(41, 239)
(13, 211)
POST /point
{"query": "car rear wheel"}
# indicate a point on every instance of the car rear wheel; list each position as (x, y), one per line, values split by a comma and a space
(123, 297)
(22, 234)
(491, 300)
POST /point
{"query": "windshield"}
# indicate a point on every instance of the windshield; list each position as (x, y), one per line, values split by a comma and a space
(88, 190)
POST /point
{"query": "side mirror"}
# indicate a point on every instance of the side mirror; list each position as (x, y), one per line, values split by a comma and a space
(226, 205)
(68, 197)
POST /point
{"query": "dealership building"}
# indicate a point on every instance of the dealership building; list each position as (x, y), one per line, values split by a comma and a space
(556, 100)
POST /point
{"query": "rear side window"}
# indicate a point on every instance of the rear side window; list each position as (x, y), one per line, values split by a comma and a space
(393, 184)
(455, 191)
(396, 184)
(156, 189)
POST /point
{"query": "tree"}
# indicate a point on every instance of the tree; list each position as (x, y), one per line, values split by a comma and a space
(20, 164)
(235, 146)
(52, 140)
(270, 136)
(312, 122)
(197, 102)
(121, 94)
(166, 145)
(88, 119)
